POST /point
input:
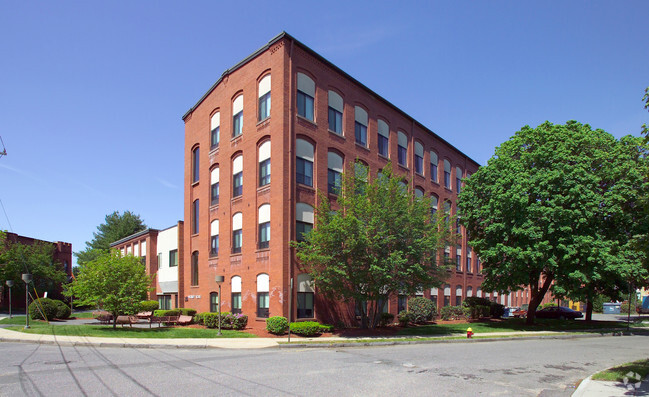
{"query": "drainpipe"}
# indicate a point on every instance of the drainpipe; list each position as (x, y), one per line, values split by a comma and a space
(291, 184)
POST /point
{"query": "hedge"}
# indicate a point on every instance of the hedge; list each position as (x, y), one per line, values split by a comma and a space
(422, 310)
(306, 328)
(228, 320)
(51, 308)
(386, 319)
(452, 313)
(149, 306)
(166, 313)
(277, 325)
(187, 311)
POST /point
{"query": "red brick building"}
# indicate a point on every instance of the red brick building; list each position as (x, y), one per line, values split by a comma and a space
(252, 171)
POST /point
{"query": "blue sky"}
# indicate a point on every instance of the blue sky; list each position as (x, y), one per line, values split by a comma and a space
(92, 93)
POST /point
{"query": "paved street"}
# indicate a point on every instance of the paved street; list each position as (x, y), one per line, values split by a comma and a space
(502, 368)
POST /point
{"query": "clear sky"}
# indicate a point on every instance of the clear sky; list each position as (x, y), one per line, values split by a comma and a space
(92, 93)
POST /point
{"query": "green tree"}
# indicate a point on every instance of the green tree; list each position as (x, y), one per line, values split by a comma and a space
(379, 241)
(113, 283)
(17, 258)
(553, 206)
(645, 99)
(116, 227)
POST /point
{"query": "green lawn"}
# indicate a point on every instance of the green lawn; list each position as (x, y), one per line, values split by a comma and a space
(617, 374)
(509, 325)
(128, 332)
(82, 315)
(18, 320)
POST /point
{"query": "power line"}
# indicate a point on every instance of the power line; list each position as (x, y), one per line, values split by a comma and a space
(4, 149)
(6, 216)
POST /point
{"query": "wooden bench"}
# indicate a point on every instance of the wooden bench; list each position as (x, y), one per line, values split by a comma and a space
(130, 320)
(103, 317)
(163, 320)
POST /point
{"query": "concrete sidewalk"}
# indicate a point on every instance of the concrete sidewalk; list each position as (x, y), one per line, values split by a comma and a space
(600, 388)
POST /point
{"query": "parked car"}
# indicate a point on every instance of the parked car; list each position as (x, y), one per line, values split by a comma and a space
(559, 312)
(520, 312)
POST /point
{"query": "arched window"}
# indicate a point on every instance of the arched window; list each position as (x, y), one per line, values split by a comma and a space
(383, 138)
(194, 268)
(235, 288)
(458, 258)
(237, 116)
(360, 125)
(305, 95)
(458, 295)
(303, 220)
(237, 176)
(237, 221)
(264, 225)
(334, 172)
(469, 292)
(447, 295)
(495, 296)
(434, 203)
(402, 150)
(263, 287)
(447, 211)
(215, 130)
(214, 186)
(434, 161)
(447, 174)
(304, 162)
(458, 179)
(214, 302)
(433, 296)
(195, 214)
(419, 192)
(335, 113)
(304, 296)
(468, 260)
(419, 158)
(264, 164)
(195, 163)
(214, 238)
(479, 293)
(264, 98)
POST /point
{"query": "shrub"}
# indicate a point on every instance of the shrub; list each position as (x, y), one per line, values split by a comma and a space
(306, 328)
(476, 312)
(496, 310)
(63, 311)
(277, 325)
(543, 306)
(404, 318)
(452, 313)
(187, 311)
(386, 319)
(228, 320)
(326, 328)
(624, 308)
(210, 320)
(164, 313)
(48, 306)
(421, 309)
(149, 306)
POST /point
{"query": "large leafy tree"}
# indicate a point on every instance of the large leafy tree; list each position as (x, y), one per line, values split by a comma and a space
(555, 205)
(113, 283)
(379, 241)
(115, 227)
(17, 258)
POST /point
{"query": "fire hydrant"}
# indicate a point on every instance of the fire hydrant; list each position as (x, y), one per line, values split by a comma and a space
(469, 333)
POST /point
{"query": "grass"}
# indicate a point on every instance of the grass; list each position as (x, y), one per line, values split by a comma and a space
(16, 320)
(509, 325)
(128, 332)
(82, 315)
(617, 374)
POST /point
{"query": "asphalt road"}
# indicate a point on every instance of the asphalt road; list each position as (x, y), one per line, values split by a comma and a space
(502, 368)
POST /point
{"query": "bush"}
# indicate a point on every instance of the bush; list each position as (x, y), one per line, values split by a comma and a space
(543, 306)
(404, 318)
(165, 313)
(421, 310)
(452, 313)
(149, 306)
(51, 309)
(187, 311)
(496, 310)
(624, 308)
(277, 325)
(228, 320)
(326, 328)
(305, 328)
(386, 319)
(477, 312)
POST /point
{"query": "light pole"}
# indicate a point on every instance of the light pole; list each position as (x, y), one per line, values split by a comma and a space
(27, 278)
(219, 280)
(10, 283)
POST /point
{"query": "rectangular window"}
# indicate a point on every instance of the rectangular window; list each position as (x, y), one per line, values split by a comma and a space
(334, 181)
(214, 246)
(264, 234)
(237, 184)
(304, 170)
(304, 105)
(195, 164)
(383, 145)
(194, 269)
(433, 298)
(236, 241)
(402, 156)
(458, 263)
(468, 264)
(335, 121)
(214, 194)
(195, 217)
(164, 302)
(419, 164)
(402, 303)
(237, 124)
(236, 302)
(159, 260)
(447, 300)
(264, 172)
(264, 106)
(477, 266)
(214, 137)
(305, 305)
(173, 258)
(447, 179)
(361, 133)
(458, 301)
(433, 172)
(458, 184)
(262, 304)
(214, 302)
(301, 229)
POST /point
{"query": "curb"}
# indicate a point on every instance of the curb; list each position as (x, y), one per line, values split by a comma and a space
(583, 385)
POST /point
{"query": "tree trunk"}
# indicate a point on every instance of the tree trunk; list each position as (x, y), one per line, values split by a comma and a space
(589, 310)
(114, 321)
(537, 296)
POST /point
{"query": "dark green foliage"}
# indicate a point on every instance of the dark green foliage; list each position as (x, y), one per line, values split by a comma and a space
(166, 313)
(63, 311)
(228, 320)
(326, 328)
(496, 310)
(476, 312)
(627, 307)
(476, 307)
(404, 317)
(451, 313)
(187, 311)
(149, 306)
(306, 328)
(549, 304)
(42, 306)
(422, 310)
(277, 325)
(386, 319)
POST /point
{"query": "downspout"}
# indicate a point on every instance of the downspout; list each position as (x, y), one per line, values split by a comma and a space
(291, 186)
